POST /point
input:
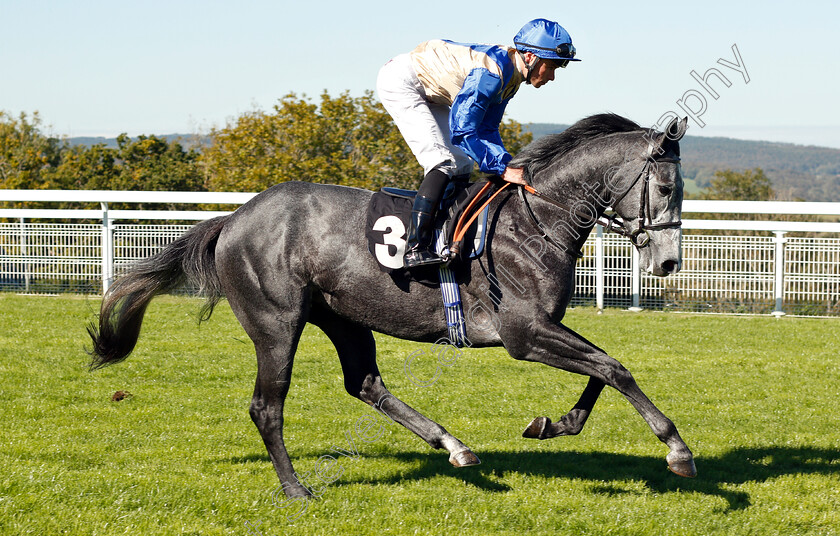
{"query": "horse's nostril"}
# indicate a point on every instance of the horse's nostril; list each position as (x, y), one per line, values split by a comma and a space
(670, 267)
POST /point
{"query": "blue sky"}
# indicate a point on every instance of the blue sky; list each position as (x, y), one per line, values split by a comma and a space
(157, 67)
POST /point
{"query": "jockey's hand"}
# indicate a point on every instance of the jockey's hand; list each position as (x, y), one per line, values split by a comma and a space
(514, 175)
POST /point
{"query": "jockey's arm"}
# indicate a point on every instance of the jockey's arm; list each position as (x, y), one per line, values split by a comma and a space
(474, 121)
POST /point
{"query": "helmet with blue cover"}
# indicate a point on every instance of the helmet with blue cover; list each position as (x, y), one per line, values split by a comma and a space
(547, 40)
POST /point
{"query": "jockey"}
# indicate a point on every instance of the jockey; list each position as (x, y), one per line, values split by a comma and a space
(447, 99)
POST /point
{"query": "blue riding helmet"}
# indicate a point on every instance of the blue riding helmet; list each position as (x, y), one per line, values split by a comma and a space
(547, 40)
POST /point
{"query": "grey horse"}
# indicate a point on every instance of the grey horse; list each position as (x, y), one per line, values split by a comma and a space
(297, 253)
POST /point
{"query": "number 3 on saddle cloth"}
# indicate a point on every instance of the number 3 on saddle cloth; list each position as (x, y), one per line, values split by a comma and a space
(386, 230)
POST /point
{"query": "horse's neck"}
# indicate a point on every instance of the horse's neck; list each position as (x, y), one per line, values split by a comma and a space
(580, 182)
(582, 177)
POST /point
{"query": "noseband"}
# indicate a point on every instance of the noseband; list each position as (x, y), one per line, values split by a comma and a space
(640, 237)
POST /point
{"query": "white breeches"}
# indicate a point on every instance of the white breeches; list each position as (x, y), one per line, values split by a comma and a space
(424, 125)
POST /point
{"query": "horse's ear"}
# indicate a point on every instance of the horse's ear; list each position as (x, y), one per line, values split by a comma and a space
(676, 129)
(673, 132)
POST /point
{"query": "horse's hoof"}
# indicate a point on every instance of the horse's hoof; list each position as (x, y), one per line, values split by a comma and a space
(464, 458)
(299, 494)
(684, 468)
(289, 491)
(537, 428)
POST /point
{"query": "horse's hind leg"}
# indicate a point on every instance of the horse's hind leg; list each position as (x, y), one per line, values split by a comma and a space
(274, 371)
(357, 353)
(275, 324)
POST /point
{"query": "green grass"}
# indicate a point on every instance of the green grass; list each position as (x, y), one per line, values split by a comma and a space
(755, 398)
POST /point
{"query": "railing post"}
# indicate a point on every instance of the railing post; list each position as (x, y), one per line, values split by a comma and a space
(599, 267)
(107, 250)
(636, 280)
(23, 253)
(779, 270)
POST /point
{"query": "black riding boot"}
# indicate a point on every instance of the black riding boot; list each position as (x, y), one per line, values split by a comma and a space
(421, 229)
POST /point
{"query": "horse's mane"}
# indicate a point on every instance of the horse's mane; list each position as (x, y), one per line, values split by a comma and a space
(539, 154)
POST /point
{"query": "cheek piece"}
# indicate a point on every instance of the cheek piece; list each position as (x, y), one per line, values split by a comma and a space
(530, 66)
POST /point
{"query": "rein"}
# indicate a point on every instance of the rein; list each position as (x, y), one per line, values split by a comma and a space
(610, 223)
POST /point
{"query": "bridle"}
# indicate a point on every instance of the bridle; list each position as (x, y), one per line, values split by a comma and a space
(645, 222)
(640, 236)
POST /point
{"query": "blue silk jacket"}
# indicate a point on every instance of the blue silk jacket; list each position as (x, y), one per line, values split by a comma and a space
(476, 81)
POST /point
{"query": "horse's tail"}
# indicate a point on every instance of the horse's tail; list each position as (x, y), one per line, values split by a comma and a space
(189, 259)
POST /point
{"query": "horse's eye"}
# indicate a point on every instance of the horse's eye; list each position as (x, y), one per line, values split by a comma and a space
(665, 190)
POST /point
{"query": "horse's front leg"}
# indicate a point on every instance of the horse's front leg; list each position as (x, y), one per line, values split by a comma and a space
(570, 423)
(559, 347)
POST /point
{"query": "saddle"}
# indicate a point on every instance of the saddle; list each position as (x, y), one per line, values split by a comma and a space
(388, 221)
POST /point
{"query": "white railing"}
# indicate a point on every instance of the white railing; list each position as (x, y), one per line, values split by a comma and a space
(747, 273)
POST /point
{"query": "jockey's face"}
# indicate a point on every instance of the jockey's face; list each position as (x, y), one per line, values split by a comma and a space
(543, 73)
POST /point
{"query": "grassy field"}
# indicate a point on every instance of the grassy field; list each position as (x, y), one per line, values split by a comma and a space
(755, 398)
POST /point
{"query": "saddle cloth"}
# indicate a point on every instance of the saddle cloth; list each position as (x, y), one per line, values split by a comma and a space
(388, 220)
(386, 231)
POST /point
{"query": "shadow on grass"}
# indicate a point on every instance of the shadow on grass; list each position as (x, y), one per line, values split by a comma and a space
(251, 458)
(607, 470)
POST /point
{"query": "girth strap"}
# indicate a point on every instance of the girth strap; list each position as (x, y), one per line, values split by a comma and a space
(453, 309)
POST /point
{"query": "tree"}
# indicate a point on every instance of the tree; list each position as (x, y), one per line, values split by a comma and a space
(155, 164)
(749, 185)
(514, 138)
(344, 140)
(341, 140)
(26, 156)
(85, 168)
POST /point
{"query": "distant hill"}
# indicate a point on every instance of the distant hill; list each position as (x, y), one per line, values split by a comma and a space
(543, 129)
(801, 172)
